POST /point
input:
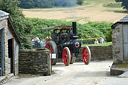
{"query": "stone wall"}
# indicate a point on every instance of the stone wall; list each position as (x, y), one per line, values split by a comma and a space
(3, 22)
(117, 40)
(35, 62)
(99, 53)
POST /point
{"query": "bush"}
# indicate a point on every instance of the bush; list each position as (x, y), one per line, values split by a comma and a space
(22, 26)
(36, 3)
(87, 40)
(80, 2)
(109, 36)
(49, 3)
(113, 5)
(124, 4)
(65, 3)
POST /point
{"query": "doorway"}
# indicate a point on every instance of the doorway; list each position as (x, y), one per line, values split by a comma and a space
(10, 54)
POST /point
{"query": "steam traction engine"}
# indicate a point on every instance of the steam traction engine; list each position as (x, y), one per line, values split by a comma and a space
(65, 44)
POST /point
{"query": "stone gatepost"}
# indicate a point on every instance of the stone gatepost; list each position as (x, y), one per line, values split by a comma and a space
(5, 62)
(120, 46)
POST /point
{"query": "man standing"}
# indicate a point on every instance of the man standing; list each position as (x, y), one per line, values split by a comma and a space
(101, 40)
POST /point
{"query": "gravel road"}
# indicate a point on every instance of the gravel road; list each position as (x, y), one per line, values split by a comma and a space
(96, 73)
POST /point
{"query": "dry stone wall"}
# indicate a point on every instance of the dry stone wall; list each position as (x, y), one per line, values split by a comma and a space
(101, 52)
(35, 62)
(98, 53)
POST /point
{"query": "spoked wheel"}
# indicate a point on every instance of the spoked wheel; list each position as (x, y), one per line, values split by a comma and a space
(86, 55)
(66, 55)
(51, 45)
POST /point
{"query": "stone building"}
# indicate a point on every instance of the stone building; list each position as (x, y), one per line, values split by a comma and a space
(120, 41)
(9, 46)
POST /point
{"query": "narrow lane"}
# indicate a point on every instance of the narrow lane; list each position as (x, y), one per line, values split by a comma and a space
(80, 74)
(96, 73)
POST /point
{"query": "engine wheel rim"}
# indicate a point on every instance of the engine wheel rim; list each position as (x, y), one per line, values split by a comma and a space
(49, 47)
(85, 56)
(65, 56)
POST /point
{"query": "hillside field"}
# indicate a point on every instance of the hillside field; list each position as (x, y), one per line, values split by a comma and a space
(91, 10)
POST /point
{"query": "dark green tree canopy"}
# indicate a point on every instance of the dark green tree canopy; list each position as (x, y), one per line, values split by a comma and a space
(27, 4)
(36, 3)
(65, 3)
(124, 3)
(49, 3)
(80, 2)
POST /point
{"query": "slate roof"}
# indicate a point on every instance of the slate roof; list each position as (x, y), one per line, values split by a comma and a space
(3, 15)
(123, 20)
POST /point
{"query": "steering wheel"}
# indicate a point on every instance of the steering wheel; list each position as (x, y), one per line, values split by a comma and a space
(63, 37)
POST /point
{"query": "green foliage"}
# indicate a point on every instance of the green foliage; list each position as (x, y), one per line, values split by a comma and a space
(124, 3)
(65, 3)
(26, 42)
(36, 3)
(109, 36)
(88, 32)
(27, 4)
(85, 35)
(80, 2)
(22, 26)
(113, 5)
(44, 3)
(10, 6)
(49, 3)
(38, 24)
(88, 40)
(94, 29)
(94, 35)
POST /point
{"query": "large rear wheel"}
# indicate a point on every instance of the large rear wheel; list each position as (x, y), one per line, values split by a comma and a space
(86, 55)
(51, 45)
(66, 55)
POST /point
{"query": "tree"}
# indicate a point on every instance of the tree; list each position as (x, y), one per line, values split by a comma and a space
(22, 26)
(124, 3)
(65, 3)
(44, 3)
(80, 2)
(27, 4)
(36, 3)
(109, 36)
(49, 3)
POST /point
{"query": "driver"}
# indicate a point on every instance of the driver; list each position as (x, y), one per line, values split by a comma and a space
(60, 32)
(54, 35)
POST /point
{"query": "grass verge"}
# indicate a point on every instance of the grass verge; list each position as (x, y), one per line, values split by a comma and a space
(101, 44)
(113, 5)
(122, 65)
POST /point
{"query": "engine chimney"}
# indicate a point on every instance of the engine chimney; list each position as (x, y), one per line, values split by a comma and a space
(74, 28)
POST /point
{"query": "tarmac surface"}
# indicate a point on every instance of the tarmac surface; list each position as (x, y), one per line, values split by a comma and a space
(96, 73)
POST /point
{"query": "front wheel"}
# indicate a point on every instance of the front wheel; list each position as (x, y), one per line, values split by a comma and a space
(66, 55)
(86, 55)
(51, 45)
